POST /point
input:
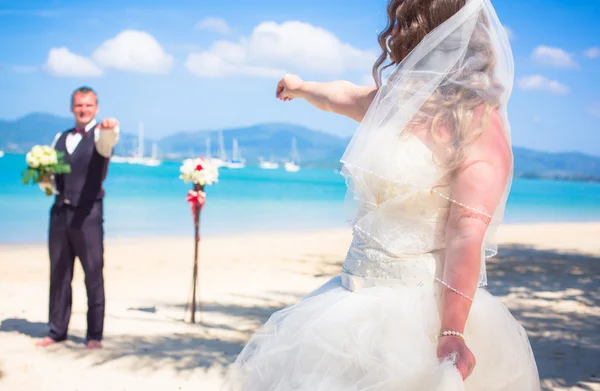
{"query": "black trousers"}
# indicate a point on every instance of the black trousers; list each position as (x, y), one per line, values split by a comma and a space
(76, 232)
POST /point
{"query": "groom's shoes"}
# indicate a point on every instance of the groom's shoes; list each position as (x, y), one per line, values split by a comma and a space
(93, 344)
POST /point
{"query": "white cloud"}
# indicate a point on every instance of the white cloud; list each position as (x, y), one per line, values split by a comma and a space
(274, 49)
(62, 62)
(509, 32)
(133, 50)
(216, 25)
(542, 83)
(553, 56)
(593, 53)
(211, 65)
(130, 50)
(307, 47)
(594, 109)
(184, 47)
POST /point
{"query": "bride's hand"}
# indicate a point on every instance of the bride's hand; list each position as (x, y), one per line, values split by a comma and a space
(465, 360)
(287, 88)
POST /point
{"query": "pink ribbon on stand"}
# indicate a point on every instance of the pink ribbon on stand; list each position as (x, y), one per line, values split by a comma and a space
(196, 198)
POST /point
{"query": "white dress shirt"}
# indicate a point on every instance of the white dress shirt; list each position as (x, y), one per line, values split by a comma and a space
(105, 139)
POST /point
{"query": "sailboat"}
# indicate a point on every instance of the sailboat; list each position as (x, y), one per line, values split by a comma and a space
(268, 164)
(236, 157)
(208, 152)
(119, 159)
(152, 161)
(291, 166)
(139, 157)
(1, 153)
(217, 161)
(123, 159)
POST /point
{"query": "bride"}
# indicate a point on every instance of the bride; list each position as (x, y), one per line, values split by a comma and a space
(429, 171)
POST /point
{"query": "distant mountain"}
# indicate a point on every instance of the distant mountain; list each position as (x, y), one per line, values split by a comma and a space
(38, 128)
(274, 140)
(35, 128)
(265, 140)
(530, 163)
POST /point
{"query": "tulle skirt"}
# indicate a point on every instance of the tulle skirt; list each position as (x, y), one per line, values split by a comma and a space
(381, 338)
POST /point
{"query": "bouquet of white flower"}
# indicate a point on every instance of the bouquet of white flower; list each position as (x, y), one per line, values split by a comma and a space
(201, 173)
(43, 162)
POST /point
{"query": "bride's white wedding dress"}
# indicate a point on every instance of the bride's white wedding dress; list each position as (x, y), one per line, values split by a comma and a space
(375, 327)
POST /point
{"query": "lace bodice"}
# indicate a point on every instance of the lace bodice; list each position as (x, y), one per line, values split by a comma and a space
(400, 225)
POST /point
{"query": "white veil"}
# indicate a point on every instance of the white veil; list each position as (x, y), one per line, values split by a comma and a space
(445, 92)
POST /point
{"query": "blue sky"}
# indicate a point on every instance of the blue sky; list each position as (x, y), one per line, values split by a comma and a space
(206, 64)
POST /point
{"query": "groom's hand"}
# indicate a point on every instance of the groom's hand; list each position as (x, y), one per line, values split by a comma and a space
(108, 123)
(45, 184)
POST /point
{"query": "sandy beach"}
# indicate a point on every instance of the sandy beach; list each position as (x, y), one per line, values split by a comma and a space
(548, 275)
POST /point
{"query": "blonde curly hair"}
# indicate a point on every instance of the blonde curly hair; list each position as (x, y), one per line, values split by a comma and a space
(449, 114)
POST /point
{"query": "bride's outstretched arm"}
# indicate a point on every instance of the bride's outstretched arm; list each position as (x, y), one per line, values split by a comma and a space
(340, 97)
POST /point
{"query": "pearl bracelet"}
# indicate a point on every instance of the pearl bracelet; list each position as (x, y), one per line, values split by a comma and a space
(449, 333)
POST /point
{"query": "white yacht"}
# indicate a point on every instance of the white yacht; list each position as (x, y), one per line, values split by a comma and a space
(123, 159)
(139, 157)
(270, 164)
(291, 165)
(221, 160)
(153, 160)
(236, 157)
(119, 159)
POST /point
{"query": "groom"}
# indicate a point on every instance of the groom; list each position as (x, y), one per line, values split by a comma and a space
(76, 218)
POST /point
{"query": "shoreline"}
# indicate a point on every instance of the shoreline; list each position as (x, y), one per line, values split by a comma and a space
(114, 238)
(220, 235)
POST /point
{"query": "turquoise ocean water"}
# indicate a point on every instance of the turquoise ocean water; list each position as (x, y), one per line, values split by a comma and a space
(150, 201)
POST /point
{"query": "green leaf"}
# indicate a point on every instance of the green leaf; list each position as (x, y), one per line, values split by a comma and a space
(36, 176)
(27, 175)
(61, 169)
